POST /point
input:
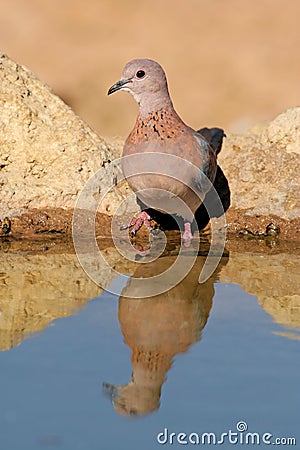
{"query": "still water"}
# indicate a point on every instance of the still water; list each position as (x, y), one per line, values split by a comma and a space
(81, 368)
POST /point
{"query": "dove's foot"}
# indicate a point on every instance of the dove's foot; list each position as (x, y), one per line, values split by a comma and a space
(136, 223)
(187, 235)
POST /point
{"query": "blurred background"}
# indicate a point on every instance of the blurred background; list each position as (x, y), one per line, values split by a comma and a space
(229, 63)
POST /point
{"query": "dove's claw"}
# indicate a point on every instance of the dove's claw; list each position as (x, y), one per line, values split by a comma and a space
(137, 222)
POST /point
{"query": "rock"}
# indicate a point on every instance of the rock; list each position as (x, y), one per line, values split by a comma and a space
(284, 131)
(47, 155)
(263, 168)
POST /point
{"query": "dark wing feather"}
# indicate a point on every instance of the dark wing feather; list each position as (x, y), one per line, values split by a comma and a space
(214, 137)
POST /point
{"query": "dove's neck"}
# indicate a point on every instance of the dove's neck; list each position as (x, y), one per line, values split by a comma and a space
(154, 102)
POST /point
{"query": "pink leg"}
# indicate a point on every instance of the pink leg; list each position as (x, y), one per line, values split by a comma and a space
(137, 222)
(187, 235)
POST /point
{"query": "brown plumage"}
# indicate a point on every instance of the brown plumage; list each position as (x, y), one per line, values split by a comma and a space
(160, 131)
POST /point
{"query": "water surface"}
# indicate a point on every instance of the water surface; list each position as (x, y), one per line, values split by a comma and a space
(84, 369)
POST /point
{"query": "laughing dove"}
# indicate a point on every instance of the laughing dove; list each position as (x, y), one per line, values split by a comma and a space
(160, 131)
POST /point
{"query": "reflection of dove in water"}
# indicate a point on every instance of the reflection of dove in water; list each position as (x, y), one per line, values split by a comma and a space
(160, 130)
(156, 329)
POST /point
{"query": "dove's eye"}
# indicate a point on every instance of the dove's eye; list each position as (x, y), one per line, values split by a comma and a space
(140, 74)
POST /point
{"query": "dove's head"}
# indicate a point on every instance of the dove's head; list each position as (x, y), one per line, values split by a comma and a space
(146, 81)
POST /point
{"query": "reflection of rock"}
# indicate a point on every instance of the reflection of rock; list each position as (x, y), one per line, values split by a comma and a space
(36, 289)
(156, 329)
(272, 278)
(42, 280)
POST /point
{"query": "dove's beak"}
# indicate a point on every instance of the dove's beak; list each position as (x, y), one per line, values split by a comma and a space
(118, 85)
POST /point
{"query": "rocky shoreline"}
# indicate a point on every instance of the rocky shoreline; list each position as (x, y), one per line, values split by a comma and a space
(58, 221)
(47, 155)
